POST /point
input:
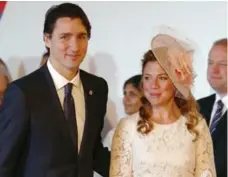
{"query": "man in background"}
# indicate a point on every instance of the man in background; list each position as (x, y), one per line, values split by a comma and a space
(214, 107)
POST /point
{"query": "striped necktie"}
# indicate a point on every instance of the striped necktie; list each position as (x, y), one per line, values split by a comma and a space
(217, 116)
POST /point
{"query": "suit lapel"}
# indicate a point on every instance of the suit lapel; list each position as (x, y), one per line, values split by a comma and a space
(208, 108)
(88, 95)
(56, 110)
(222, 123)
(221, 128)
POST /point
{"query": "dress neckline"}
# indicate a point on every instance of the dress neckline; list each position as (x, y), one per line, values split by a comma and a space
(168, 125)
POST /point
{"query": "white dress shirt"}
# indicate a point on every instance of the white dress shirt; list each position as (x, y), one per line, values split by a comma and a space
(77, 93)
(225, 107)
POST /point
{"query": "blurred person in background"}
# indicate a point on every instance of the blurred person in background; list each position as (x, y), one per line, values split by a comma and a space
(214, 107)
(44, 59)
(5, 79)
(131, 102)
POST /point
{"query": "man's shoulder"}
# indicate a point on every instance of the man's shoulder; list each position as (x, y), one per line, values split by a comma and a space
(24, 86)
(93, 78)
(131, 119)
(89, 75)
(206, 100)
(30, 80)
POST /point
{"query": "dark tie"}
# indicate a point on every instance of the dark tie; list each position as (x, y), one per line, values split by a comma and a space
(217, 116)
(69, 111)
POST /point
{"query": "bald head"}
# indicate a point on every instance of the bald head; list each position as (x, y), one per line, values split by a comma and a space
(217, 66)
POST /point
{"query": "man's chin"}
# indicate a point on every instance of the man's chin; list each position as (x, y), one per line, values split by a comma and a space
(128, 112)
(215, 84)
(72, 67)
(219, 88)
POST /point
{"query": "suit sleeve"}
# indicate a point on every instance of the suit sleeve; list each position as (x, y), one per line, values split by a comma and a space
(13, 130)
(102, 154)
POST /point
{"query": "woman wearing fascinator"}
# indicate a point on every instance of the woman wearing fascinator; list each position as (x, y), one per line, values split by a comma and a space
(168, 137)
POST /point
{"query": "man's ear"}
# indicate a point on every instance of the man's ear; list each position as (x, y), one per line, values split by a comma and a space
(47, 39)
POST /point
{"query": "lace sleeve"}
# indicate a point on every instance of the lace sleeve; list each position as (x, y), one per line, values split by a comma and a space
(121, 154)
(205, 166)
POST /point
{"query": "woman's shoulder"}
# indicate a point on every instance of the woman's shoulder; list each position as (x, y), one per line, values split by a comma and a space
(131, 119)
(128, 122)
(201, 123)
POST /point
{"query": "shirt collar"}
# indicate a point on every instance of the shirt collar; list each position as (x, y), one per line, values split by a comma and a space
(223, 99)
(61, 81)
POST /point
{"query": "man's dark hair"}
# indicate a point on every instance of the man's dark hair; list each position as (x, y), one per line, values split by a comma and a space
(65, 10)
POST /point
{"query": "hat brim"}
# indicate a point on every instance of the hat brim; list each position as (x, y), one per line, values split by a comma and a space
(161, 54)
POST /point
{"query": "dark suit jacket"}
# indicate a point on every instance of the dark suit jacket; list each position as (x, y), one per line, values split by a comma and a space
(34, 138)
(219, 136)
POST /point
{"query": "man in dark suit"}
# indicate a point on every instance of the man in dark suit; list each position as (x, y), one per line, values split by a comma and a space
(51, 120)
(214, 107)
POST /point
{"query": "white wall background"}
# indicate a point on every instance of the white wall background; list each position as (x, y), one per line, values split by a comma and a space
(121, 33)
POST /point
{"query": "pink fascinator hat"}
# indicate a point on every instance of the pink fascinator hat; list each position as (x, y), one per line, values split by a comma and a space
(177, 60)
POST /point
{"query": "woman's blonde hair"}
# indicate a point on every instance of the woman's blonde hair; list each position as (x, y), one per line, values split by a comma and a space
(188, 107)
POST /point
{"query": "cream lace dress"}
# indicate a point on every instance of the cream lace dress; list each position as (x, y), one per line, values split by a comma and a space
(167, 151)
